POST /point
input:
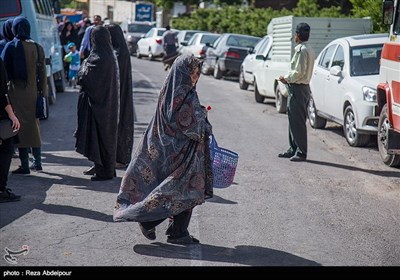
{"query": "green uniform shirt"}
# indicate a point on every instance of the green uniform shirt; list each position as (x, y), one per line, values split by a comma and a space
(301, 65)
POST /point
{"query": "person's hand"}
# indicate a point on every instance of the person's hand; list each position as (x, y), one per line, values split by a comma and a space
(16, 125)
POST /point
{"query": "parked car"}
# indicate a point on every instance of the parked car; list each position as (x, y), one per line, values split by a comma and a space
(246, 76)
(225, 56)
(196, 44)
(133, 32)
(184, 36)
(343, 86)
(151, 44)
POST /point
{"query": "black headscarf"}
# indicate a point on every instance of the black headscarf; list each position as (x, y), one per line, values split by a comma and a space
(6, 34)
(14, 50)
(125, 124)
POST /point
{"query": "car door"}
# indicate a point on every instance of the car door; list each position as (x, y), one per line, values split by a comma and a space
(320, 78)
(250, 61)
(335, 86)
(144, 43)
(212, 52)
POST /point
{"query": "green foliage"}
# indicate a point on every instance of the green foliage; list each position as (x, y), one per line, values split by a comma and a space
(370, 8)
(249, 20)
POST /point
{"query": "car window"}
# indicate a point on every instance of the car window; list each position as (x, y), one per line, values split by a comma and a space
(139, 28)
(208, 39)
(326, 57)
(215, 44)
(263, 46)
(160, 32)
(364, 60)
(239, 41)
(269, 55)
(338, 59)
(150, 33)
(193, 39)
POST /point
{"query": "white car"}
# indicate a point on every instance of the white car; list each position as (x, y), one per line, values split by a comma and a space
(246, 76)
(343, 86)
(196, 45)
(151, 44)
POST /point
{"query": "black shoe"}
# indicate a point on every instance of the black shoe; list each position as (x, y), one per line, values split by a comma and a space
(185, 240)
(98, 178)
(287, 154)
(8, 196)
(21, 170)
(298, 157)
(149, 234)
(90, 171)
(36, 167)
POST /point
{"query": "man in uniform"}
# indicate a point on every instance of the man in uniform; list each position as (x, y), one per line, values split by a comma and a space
(298, 79)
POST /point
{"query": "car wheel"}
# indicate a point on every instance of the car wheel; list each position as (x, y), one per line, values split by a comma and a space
(354, 138)
(217, 72)
(138, 55)
(392, 160)
(205, 69)
(257, 95)
(315, 120)
(242, 82)
(151, 56)
(280, 101)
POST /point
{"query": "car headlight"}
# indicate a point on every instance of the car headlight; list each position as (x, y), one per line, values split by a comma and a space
(369, 94)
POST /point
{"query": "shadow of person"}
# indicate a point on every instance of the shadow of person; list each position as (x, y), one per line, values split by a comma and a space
(221, 200)
(74, 211)
(241, 254)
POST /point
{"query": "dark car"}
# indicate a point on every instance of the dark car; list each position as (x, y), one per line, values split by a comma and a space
(133, 31)
(225, 56)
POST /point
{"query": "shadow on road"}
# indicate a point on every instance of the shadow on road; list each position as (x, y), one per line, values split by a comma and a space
(241, 254)
(218, 199)
(383, 173)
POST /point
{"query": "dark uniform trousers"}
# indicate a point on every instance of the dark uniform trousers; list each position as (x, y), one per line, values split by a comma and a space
(299, 95)
(6, 152)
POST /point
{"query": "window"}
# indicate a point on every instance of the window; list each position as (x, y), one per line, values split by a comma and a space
(264, 46)
(327, 56)
(338, 59)
(364, 60)
(396, 25)
(10, 8)
(139, 28)
(208, 39)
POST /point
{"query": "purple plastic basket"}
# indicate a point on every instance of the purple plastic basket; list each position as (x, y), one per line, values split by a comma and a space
(224, 163)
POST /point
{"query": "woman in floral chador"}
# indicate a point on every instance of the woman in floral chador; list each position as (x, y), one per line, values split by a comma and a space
(170, 172)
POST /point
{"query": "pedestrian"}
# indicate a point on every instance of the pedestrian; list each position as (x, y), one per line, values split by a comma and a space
(72, 57)
(170, 172)
(126, 113)
(20, 58)
(86, 41)
(298, 79)
(170, 42)
(96, 135)
(7, 145)
(6, 34)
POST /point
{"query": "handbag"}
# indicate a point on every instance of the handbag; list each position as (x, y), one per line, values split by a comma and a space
(6, 129)
(224, 163)
(41, 105)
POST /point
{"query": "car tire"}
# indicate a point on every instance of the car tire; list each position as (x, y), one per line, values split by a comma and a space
(217, 72)
(354, 138)
(259, 98)
(242, 83)
(313, 118)
(280, 101)
(392, 160)
(205, 69)
(150, 55)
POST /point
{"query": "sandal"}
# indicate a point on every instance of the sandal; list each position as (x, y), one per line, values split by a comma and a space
(188, 239)
(149, 234)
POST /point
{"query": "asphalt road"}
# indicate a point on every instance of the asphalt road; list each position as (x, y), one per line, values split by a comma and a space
(340, 208)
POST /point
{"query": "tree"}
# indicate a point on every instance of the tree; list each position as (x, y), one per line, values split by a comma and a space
(369, 8)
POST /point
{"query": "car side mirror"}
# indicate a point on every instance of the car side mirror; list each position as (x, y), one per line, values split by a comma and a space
(260, 57)
(250, 50)
(142, 36)
(184, 43)
(335, 70)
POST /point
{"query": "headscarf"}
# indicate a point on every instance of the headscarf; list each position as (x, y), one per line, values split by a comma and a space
(6, 33)
(13, 54)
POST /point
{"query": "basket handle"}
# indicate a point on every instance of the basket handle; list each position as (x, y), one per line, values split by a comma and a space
(213, 142)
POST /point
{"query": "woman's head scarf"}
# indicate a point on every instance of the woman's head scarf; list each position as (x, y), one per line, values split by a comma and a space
(13, 54)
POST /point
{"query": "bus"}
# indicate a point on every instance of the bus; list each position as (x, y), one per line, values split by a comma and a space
(44, 30)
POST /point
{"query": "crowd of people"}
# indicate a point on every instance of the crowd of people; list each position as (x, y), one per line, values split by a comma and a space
(170, 171)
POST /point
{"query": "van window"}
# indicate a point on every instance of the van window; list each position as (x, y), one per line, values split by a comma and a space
(10, 8)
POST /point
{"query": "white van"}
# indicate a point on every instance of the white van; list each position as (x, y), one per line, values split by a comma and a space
(40, 14)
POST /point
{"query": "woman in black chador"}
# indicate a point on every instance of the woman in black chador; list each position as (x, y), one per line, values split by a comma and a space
(125, 123)
(96, 135)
